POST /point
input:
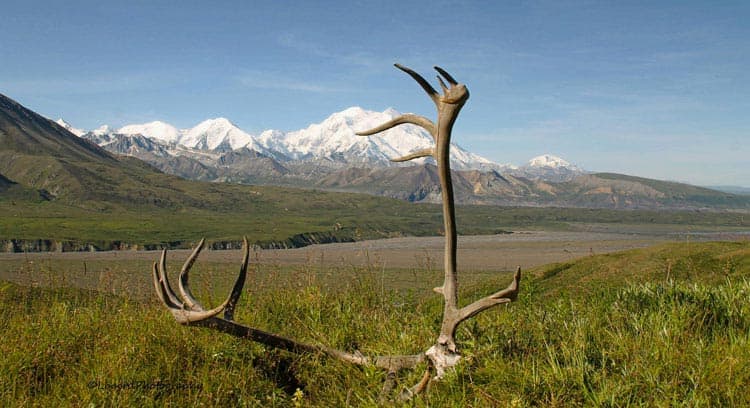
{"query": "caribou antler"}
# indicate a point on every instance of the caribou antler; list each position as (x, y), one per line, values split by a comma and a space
(442, 355)
(188, 311)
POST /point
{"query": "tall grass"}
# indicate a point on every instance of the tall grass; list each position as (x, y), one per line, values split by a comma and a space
(661, 342)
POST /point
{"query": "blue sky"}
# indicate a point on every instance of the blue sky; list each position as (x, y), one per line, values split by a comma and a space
(653, 89)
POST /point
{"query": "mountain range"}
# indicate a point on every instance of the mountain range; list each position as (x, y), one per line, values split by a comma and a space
(333, 141)
(324, 156)
(330, 156)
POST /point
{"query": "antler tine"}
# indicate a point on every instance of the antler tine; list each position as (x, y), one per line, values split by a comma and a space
(506, 295)
(446, 75)
(164, 281)
(239, 283)
(184, 316)
(421, 121)
(415, 155)
(181, 309)
(442, 84)
(431, 92)
(409, 393)
(184, 286)
(161, 292)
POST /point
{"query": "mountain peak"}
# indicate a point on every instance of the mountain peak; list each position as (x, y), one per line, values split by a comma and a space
(217, 134)
(548, 167)
(156, 130)
(69, 127)
(352, 111)
(548, 160)
(102, 130)
(217, 122)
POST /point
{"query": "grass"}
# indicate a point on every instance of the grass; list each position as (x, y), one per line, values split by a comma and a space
(606, 330)
(289, 217)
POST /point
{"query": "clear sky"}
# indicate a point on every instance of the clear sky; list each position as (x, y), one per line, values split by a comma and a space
(654, 89)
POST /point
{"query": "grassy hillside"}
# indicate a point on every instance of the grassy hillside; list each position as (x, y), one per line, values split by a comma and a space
(707, 263)
(607, 330)
(265, 214)
(674, 193)
(270, 214)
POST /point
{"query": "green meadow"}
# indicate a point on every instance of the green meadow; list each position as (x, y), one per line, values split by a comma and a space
(667, 325)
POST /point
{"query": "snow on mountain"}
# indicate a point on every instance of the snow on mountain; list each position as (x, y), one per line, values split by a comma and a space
(273, 140)
(548, 160)
(103, 130)
(158, 130)
(69, 128)
(335, 139)
(218, 134)
(548, 167)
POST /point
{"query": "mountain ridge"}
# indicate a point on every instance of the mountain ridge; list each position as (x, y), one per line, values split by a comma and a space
(333, 139)
(545, 180)
(334, 171)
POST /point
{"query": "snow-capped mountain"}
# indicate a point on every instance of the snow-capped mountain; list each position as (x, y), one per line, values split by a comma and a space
(163, 132)
(103, 130)
(333, 140)
(548, 160)
(218, 135)
(550, 168)
(331, 144)
(69, 128)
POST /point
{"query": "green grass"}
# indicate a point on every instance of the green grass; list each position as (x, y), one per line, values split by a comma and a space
(277, 215)
(606, 330)
(708, 263)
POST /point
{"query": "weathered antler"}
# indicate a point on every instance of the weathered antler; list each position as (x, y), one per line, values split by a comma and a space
(443, 354)
(188, 311)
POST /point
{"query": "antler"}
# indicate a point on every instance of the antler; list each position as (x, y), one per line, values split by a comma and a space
(188, 311)
(443, 355)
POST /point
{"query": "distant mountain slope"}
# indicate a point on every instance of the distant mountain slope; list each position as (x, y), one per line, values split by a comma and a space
(5, 183)
(678, 193)
(38, 153)
(605, 190)
(26, 132)
(12, 191)
(731, 189)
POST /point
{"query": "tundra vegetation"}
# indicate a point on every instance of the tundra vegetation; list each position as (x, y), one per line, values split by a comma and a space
(664, 325)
